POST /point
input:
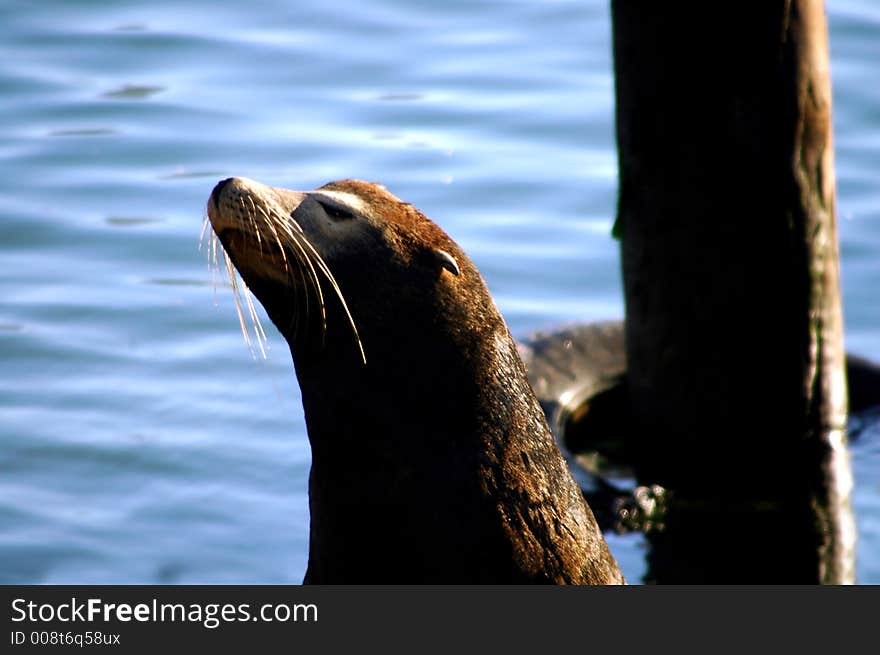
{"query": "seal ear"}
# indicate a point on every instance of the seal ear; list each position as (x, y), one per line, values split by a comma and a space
(447, 261)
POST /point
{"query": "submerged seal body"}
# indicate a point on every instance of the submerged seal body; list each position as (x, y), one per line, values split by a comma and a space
(432, 461)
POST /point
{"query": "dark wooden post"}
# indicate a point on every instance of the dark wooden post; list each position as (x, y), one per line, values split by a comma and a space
(730, 263)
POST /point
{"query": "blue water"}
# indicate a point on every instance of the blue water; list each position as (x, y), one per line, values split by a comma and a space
(140, 442)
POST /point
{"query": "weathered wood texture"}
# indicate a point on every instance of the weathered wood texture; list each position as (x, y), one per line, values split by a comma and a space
(730, 264)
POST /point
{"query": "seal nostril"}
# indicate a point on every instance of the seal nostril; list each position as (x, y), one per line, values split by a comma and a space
(215, 194)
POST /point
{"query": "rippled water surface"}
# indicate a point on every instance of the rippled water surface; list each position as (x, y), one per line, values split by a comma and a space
(139, 441)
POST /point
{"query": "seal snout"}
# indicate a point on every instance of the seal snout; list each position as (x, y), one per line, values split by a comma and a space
(218, 190)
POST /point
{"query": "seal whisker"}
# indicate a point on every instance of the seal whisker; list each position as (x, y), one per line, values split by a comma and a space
(315, 282)
(214, 262)
(253, 221)
(210, 247)
(270, 223)
(273, 220)
(205, 223)
(299, 254)
(230, 268)
(240, 289)
(297, 239)
(259, 332)
(212, 244)
(332, 280)
(237, 293)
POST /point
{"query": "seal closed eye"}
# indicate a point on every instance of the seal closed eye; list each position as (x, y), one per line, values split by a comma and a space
(334, 210)
(432, 461)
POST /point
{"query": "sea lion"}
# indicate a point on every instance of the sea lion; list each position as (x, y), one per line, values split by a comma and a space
(432, 461)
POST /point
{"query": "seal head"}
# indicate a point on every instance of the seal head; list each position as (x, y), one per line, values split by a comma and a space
(432, 461)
